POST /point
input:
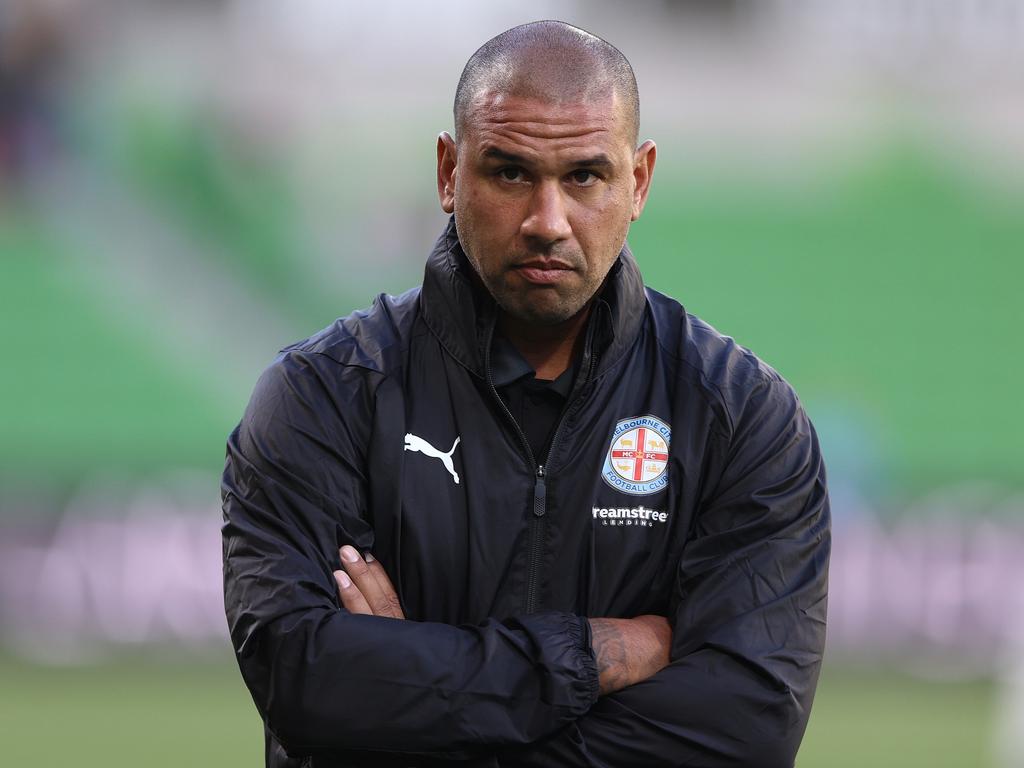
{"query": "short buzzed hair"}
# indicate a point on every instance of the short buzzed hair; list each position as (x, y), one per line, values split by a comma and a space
(575, 65)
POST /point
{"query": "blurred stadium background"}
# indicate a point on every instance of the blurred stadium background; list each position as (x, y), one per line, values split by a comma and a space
(185, 187)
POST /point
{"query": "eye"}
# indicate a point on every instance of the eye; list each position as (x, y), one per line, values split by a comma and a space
(511, 174)
(583, 177)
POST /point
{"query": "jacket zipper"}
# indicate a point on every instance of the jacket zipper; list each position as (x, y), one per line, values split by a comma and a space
(536, 540)
(538, 521)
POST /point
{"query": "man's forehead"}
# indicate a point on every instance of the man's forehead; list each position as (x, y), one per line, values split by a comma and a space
(547, 115)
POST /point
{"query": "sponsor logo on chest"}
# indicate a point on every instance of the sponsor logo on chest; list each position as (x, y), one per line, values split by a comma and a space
(641, 517)
(637, 460)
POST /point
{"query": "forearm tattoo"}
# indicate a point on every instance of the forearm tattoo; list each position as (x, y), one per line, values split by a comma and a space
(609, 644)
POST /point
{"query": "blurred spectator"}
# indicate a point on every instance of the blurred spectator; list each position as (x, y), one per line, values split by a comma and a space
(31, 53)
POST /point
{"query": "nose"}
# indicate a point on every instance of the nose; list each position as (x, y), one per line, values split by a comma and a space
(546, 222)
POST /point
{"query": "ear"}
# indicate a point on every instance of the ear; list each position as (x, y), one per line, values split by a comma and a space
(446, 163)
(643, 170)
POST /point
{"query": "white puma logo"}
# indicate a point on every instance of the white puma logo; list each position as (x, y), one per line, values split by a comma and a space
(413, 443)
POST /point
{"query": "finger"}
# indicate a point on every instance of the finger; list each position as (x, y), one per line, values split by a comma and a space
(351, 598)
(387, 588)
(366, 582)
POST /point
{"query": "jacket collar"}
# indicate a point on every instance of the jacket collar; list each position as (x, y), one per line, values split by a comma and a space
(462, 316)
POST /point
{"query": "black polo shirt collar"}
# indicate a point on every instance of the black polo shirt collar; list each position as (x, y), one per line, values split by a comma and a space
(508, 366)
(535, 404)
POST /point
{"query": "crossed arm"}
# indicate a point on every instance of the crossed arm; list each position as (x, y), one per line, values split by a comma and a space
(627, 650)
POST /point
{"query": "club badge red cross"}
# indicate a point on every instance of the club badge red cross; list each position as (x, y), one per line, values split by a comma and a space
(639, 455)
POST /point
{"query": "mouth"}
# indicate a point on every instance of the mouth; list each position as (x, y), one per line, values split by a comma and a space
(544, 271)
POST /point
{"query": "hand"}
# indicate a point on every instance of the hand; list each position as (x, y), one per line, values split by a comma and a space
(364, 587)
(629, 650)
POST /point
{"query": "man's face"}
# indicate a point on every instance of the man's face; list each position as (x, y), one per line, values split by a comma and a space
(543, 195)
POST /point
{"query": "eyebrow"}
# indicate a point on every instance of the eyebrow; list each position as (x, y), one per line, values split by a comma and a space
(492, 153)
(600, 160)
(597, 161)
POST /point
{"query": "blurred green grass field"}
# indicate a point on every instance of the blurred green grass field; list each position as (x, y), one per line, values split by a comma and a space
(174, 713)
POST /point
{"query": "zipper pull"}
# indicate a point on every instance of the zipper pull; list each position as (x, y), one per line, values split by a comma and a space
(539, 494)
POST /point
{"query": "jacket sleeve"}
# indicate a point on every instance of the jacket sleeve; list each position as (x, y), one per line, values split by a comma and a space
(326, 680)
(748, 616)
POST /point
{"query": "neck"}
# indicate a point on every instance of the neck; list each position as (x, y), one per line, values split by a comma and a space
(549, 349)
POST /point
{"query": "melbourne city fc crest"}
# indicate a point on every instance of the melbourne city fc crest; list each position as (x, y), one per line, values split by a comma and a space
(637, 461)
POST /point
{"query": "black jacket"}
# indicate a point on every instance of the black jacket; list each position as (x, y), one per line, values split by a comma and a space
(721, 524)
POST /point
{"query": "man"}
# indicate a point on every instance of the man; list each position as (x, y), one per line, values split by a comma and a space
(531, 513)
